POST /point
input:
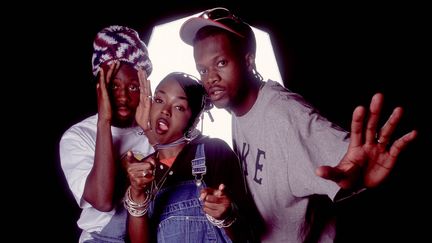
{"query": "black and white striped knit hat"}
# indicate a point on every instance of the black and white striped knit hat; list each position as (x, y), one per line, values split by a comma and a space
(120, 43)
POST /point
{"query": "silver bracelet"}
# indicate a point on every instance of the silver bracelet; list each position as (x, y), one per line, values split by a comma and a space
(221, 223)
(136, 209)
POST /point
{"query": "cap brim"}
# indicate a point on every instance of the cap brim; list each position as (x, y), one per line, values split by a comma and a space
(191, 26)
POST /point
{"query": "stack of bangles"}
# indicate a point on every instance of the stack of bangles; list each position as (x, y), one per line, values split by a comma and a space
(222, 223)
(136, 209)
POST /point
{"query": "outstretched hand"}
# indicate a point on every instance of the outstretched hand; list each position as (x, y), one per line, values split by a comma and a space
(140, 172)
(215, 201)
(369, 159)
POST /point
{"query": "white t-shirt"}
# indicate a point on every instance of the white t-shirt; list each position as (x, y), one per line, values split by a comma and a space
(77, 151)
(280, 142)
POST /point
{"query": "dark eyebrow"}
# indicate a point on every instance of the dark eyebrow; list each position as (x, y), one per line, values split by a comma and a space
(178, 97)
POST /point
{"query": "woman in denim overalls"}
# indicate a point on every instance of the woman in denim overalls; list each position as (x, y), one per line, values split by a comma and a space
(192, 188)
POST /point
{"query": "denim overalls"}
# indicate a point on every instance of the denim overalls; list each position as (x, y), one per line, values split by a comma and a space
(180, 214)
(114, 231)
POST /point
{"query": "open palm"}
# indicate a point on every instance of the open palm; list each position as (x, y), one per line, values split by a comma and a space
(369, 159)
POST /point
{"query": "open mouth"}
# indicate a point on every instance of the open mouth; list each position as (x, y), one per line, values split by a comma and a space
(162, 125)
(123, 111)
(216, 93)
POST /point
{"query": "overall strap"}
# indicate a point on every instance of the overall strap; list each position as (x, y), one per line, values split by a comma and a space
(198, 165)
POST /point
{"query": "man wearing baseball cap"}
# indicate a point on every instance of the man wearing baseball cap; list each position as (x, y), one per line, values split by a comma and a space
(289, 152)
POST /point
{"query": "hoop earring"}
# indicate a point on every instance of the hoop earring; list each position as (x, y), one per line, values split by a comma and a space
(257, 75)
(191, 134)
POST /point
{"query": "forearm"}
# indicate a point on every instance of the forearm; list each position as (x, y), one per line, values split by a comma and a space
(230, 232)
(138, 229)
(137, 203)
(100, 183)
(150, 136)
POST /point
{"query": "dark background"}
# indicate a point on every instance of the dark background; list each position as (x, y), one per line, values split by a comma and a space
(335, 55)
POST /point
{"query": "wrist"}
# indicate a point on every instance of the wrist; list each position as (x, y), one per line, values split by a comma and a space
(227, 221)
(138, 195)
(150, 137)
(222, 223)
(147, 128)
(136, 209)
(103, 122)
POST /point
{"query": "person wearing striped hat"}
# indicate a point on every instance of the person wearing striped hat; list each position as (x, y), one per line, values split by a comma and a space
(90, 150)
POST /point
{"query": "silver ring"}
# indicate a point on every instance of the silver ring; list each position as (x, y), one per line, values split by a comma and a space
(147, 172)
(149, 96)
(377, 138)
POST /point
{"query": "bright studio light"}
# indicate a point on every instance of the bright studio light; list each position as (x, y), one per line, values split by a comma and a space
(169, 54)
